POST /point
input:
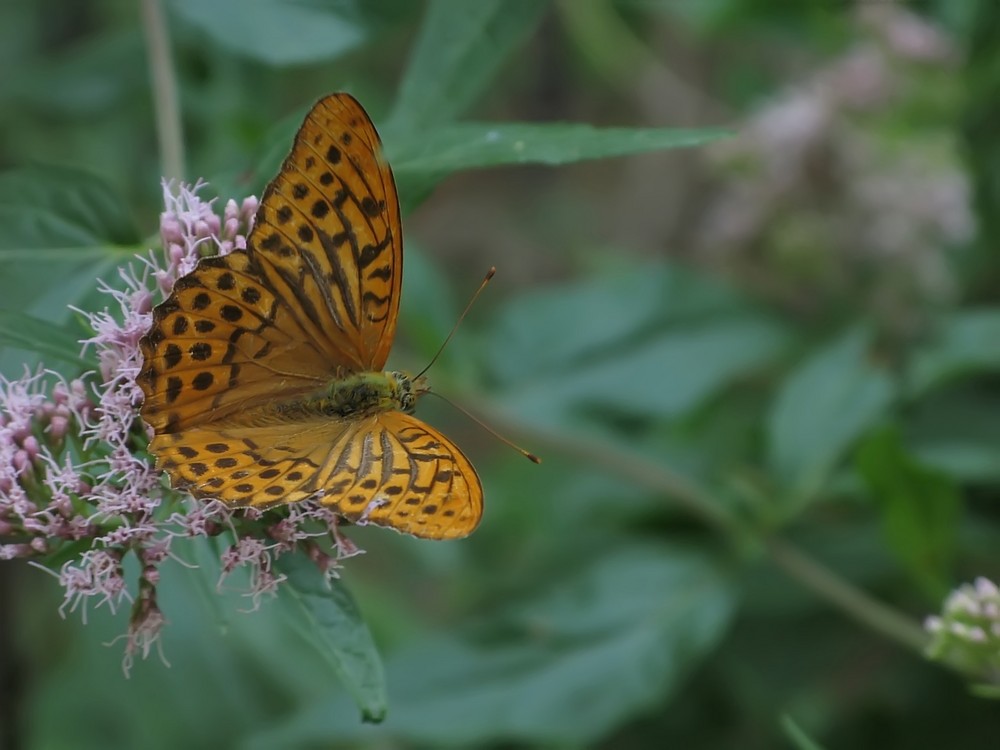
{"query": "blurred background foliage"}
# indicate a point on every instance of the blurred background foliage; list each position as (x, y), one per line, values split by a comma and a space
(762, 372)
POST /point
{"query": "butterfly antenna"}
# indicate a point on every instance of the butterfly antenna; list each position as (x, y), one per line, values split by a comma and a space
(506, 441)
(486, 280)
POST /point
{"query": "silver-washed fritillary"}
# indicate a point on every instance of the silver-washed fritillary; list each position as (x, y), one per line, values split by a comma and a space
(263, 371)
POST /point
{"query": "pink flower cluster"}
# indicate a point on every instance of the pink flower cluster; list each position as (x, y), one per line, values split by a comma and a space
(75, 480)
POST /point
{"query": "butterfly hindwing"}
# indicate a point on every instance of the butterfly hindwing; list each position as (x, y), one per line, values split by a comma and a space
(389, 469)
(246, 465)
(407, 476)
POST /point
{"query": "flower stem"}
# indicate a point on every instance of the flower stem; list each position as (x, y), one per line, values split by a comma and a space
(165, 99)
(850, 599)
(700, 503)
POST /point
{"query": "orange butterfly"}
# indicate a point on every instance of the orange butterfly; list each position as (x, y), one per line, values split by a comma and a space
(263, 371)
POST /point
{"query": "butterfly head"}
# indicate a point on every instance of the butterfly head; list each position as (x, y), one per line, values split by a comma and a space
(407, 389)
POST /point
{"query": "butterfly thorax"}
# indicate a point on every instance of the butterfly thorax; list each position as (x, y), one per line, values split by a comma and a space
(356, 396)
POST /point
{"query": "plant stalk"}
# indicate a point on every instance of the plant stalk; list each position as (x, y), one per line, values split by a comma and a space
(166, 106)
(701, 504)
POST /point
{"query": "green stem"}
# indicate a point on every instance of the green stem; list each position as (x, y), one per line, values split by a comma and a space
(165, 100)
(700, 503)
(593, 451)
(850, 599)
(605, 40)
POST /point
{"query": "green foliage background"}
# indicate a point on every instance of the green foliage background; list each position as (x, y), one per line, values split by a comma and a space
(761, 471)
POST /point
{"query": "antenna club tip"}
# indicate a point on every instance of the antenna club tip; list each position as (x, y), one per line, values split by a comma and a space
(490, 273)
(532, 457)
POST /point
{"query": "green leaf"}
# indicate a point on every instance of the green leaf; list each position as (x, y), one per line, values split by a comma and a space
(459, 49)
(327, 615)
(920, 508)
(60, 226)
(232, 673)
(955, 430)
(421, 159)
(81, 83)
(663, 376)
(460, 146)
(26, 227)
(45, 281)
(277, 32)
(679, 339)
(658, 295)
(51, 341)
(796, 734)
(610, 642)
(986, 690)
(822, 408)
(965, 343)
(60, 207)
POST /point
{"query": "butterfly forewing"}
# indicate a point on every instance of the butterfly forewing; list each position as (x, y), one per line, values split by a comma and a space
(221, 343)
(328, 234)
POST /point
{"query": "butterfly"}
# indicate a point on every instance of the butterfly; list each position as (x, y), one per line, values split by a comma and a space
(263, 375)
